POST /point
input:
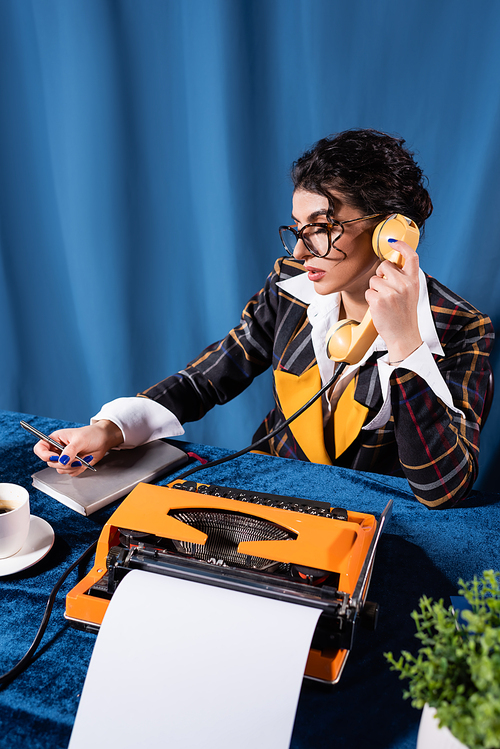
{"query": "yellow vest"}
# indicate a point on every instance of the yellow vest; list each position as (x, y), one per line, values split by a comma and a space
(295, 390)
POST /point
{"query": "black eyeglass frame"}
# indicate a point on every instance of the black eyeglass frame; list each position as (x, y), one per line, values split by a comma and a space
(299, 235)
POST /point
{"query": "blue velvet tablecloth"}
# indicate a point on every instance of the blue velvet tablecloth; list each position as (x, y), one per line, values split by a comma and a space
(421, 552)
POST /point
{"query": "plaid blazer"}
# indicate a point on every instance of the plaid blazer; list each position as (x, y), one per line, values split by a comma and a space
(435, 448)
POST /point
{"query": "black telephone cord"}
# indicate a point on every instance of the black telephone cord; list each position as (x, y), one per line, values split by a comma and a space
(26, 659)
(272, 434)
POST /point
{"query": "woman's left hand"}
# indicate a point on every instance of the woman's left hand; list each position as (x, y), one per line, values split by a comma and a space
(393, 297)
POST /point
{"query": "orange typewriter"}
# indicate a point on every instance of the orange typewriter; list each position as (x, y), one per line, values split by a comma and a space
(296, 550)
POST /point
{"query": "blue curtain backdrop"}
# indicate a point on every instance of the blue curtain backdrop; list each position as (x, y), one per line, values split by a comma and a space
(145, 149)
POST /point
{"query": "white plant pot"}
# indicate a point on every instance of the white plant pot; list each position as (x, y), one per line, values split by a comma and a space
(430, 736)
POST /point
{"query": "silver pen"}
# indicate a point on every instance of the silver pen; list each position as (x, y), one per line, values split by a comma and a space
(53, 442)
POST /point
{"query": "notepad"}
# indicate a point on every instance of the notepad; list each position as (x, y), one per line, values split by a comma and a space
(117, 474)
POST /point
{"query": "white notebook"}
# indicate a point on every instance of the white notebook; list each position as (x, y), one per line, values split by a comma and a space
(117, 474)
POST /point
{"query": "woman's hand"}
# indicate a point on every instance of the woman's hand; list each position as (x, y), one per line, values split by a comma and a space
(393, 297)
(91, 443)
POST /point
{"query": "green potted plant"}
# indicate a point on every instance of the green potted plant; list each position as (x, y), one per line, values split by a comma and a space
(457, 667)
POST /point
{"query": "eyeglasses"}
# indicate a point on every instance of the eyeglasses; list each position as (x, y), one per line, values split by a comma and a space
(318, 238)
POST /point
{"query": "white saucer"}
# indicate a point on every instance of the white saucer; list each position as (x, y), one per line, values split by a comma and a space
(37, 545)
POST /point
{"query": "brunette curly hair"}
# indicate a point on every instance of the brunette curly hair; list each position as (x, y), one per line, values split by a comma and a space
(373, 170)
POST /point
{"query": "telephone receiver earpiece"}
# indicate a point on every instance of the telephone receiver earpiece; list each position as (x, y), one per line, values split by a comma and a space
(394, 227)
(349, 340)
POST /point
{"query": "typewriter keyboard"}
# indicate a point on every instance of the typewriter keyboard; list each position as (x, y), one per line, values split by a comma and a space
(295, 504)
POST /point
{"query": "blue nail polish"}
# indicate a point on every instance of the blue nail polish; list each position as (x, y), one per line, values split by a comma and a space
(64, 459)
(76, 464)
(54, 458)
(391, 240)
(89, 458)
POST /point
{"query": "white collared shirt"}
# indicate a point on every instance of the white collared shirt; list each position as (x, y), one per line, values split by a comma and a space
(323, 312)
(142, 420)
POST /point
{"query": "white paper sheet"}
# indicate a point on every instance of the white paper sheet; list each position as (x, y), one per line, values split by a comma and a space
(185, 665)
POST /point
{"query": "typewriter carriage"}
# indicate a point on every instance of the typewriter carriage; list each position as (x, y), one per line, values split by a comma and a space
(277, 551)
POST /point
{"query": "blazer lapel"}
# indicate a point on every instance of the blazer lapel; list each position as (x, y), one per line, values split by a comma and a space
(368, 392)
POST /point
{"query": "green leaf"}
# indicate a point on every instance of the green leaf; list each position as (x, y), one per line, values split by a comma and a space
(457, 668)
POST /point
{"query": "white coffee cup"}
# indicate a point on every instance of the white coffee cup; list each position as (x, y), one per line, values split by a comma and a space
(14, 518)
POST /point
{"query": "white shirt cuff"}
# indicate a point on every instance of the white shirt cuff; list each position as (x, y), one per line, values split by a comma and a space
(422, 363)
(141, 420)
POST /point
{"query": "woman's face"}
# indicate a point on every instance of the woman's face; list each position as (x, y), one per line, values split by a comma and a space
(349, 272)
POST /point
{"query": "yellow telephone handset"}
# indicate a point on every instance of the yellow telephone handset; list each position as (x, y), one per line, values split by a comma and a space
(349, 340)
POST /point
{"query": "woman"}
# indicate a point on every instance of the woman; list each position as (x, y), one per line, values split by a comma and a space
(411, 407)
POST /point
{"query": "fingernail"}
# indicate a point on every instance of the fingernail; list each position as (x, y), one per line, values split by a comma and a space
(64, 459)
(88, 458)
(391, 240)
(54, 458)
(76, 464)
